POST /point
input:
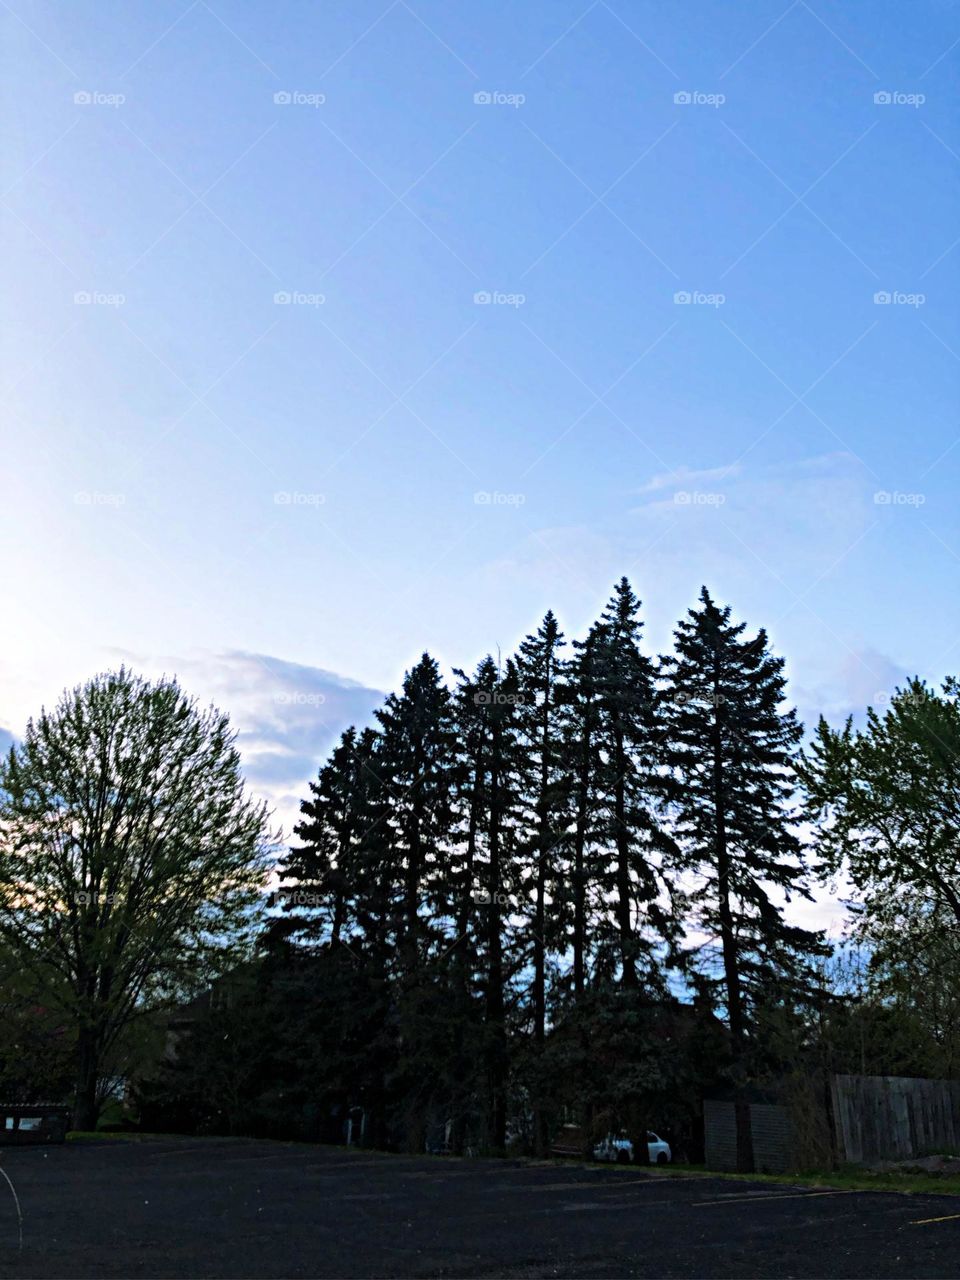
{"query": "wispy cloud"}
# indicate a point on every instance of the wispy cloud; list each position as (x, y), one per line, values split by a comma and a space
(683, 477)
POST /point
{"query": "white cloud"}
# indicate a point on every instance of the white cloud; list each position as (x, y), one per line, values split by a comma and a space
(864, 677)
(287, 715)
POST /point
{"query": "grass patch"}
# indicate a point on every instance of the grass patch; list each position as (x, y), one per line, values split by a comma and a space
(849, 1178)
(98, 1135)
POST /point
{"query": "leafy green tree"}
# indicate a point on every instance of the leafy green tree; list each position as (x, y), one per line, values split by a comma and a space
(888, 1011)
(887, 798)
(730, 747)
(131, 859)
(914, 974)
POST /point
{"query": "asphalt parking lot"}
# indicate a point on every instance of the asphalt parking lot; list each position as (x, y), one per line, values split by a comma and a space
(180, 1207)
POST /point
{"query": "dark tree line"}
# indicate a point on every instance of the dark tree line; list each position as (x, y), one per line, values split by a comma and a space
(505, 881)
(498, 892)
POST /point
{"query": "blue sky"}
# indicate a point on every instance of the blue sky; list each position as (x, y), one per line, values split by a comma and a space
(279, 499)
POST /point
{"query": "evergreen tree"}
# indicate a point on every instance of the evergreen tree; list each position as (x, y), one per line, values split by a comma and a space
(545, 786)
(415, 763)
(467, 1002)
(624, 818)
(340, 887)
(731, 747)
(499, 701)
(326, 866)
(582, 729)
(415, 759)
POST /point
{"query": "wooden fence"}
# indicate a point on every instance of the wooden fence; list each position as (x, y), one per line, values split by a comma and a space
(895, 1117)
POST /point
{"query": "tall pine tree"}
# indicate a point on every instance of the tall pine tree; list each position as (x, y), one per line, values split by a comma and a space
(730, 745)
(545, 791)
(581, 734)
(416, 762)
(625, 792)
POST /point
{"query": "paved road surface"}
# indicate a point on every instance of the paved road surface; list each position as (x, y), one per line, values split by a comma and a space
(180, 1207)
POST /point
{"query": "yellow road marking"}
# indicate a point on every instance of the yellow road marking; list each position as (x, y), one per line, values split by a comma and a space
(922, 1222)
(759, 1195)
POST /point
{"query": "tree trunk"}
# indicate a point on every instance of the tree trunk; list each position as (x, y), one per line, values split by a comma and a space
(465, 913)
(414, 867)
(541, 1135)
(731, 968)
(86, 1109)
(495, 1012)
(579, 879)
(580, 918)
(628, 977)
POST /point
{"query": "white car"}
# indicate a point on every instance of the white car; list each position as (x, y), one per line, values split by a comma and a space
(618, 1149)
